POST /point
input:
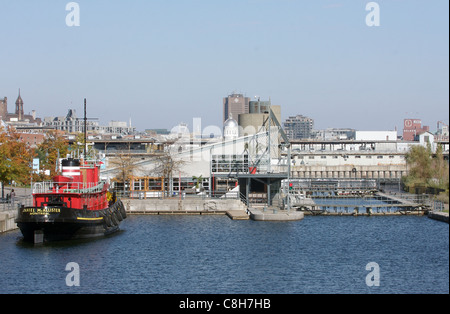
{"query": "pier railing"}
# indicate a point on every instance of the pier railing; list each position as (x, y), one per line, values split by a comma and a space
(376, 202)
(422, 199)
(8, 204)
(232, 195)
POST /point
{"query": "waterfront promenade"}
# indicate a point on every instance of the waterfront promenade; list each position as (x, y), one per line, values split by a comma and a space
(8, 210)
(235, 209)
(7, 221)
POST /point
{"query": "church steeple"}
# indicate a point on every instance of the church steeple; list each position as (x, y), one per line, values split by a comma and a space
(19, 107)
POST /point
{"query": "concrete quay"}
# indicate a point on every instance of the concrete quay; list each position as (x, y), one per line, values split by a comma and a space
(7, 221)
(233, 208)
(440, 216)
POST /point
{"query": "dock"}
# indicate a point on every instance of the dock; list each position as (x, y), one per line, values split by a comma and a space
(364, 214)
(232, 208)
(232, 214)
(440, 216)
(8, 211)
(238, 214)
(275, 214)
(378, 204)
(7, 221)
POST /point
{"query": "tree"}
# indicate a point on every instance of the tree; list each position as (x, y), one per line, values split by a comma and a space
(125, 166)
(53, 147)
(165, 166)
(426, 171)
(15, 158)
(440, 169)
(418, 160)
(198, 181)
(78, 146)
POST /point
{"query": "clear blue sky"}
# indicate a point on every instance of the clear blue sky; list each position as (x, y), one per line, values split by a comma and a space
(161, 62)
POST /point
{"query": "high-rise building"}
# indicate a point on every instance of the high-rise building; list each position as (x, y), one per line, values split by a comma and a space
(257, 118)
(298, 127)
(235, 104)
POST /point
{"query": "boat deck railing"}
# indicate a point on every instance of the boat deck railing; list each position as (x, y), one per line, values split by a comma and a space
(71, 188)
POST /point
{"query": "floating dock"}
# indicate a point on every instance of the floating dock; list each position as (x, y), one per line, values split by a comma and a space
(275, 214)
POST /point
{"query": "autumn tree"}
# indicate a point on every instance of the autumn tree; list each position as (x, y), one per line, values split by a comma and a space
(79, 147)
(53, 147)
(15, 158)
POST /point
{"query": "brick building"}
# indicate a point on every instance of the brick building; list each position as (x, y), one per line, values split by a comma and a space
(18, 117)
(412, 128)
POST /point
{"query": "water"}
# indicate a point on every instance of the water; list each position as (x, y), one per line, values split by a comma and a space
(213, 254)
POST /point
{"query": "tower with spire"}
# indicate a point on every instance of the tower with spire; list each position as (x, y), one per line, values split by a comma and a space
(18, 117)
(19, 107)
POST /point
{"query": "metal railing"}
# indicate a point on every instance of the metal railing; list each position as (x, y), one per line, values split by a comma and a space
(72, 187)
(385, 202)
(424, 199)
(8, 204)
(236, 195)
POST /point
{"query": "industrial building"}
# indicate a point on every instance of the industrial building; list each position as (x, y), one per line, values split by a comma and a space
(412, 128)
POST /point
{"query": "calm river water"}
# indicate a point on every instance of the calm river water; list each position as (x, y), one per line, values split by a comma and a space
(213, 254)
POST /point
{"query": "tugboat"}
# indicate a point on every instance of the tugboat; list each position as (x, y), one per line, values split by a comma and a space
(74, 205)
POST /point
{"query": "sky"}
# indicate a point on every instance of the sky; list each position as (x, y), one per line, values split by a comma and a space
(162, 62)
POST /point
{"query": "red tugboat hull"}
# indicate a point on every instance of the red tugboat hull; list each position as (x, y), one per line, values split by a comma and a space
(62, 223)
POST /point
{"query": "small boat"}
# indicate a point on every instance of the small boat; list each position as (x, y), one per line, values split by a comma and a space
(74, 205)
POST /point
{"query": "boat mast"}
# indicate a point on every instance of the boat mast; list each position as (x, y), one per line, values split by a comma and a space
(85, 130)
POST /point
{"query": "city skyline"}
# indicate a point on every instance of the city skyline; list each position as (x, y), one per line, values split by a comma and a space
(164, 63)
